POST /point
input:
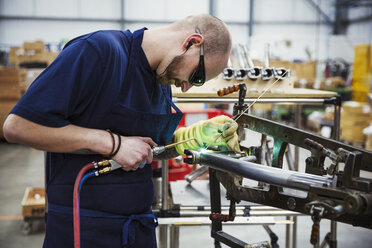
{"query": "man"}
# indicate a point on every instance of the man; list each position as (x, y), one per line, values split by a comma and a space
(117, 81)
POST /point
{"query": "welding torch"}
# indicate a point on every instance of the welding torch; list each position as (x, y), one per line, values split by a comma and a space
(156, 150)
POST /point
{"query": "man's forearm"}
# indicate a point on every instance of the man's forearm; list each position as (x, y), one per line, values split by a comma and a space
(69, 138)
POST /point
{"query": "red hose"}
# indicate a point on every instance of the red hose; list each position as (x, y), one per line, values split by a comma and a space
(76, 203)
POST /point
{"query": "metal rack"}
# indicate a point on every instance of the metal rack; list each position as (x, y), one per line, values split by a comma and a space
(327, 99)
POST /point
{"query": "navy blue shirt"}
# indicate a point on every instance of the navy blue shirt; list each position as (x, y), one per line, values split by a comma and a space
(91, 85)
(87, 79)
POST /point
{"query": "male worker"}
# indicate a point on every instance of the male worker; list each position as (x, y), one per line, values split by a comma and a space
(109, 92)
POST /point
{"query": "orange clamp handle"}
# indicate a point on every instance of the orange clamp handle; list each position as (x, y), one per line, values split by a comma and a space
(228, 90)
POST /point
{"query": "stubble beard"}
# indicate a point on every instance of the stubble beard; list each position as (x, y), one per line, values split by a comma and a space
(168, 77)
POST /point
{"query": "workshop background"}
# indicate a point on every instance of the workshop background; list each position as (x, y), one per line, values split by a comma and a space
(326, 45)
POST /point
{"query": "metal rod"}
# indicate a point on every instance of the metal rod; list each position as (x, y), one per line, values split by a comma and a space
(251, 19)
(164, 183)
(267, 55)
(174, 236)
(215, 199)
(288, 155)
(287, 234)
(197, 213)
(163, 236)
(268, 155)
(196, 173)
(317, 101)
(263, 149)
(336, 127)
(239, 207)
(336, 124)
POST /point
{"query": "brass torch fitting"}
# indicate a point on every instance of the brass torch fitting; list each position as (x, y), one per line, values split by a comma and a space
(103, 163)
(104, 170)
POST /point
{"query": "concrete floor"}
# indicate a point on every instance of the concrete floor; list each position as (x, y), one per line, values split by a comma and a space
(22, 167)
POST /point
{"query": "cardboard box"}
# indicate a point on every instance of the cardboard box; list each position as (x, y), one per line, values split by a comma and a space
(31, 52)
(33, 202)
(368, 144)
(305, 70)
(38, 45)
(10, 80)
(31, 75)
(356, 108)
(353, 134)
(355, 117)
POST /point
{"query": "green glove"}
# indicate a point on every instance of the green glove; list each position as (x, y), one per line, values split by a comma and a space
(219, 131)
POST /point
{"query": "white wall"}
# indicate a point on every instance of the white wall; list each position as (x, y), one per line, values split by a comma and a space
(360, 32)
(276, 21)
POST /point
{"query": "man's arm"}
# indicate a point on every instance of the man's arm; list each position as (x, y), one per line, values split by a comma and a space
(71, 138)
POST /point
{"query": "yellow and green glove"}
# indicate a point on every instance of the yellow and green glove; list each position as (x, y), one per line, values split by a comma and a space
(219, 131)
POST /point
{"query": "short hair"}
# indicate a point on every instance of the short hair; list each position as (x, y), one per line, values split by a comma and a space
(217, 37)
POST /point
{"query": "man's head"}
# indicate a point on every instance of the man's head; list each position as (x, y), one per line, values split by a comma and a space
(201, 53)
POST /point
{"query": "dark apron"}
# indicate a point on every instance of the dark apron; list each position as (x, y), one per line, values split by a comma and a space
(115, 208)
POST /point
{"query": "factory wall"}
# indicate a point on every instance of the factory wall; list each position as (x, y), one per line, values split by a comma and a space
(290, 26)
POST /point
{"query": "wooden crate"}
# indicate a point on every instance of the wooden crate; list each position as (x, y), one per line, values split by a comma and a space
(10, 81)
(355, 117)
(33, 203)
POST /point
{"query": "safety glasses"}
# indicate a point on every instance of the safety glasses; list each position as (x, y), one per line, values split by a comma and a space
(197, 77)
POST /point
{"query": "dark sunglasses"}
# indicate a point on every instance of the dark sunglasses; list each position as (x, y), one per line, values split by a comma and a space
(197, 77)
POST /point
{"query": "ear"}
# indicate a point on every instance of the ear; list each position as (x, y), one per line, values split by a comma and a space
(192, 39)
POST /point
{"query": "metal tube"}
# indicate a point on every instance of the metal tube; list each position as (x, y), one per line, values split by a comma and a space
(249, 60)
(164, 188)
(263, 149)
(241, 72)
(174, 236)
(336, 127)
(239, 213)
(239, 207)
(294, 232)
(196, 173)
(267, 55)
(251, 19)
(288, 155)
(316, 101)
(228, 72)
(296, 165)
(287, 234)
(163, 236)
(270, 175)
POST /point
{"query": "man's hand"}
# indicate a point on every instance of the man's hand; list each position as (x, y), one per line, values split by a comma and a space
(219, 131)
(133, 151)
